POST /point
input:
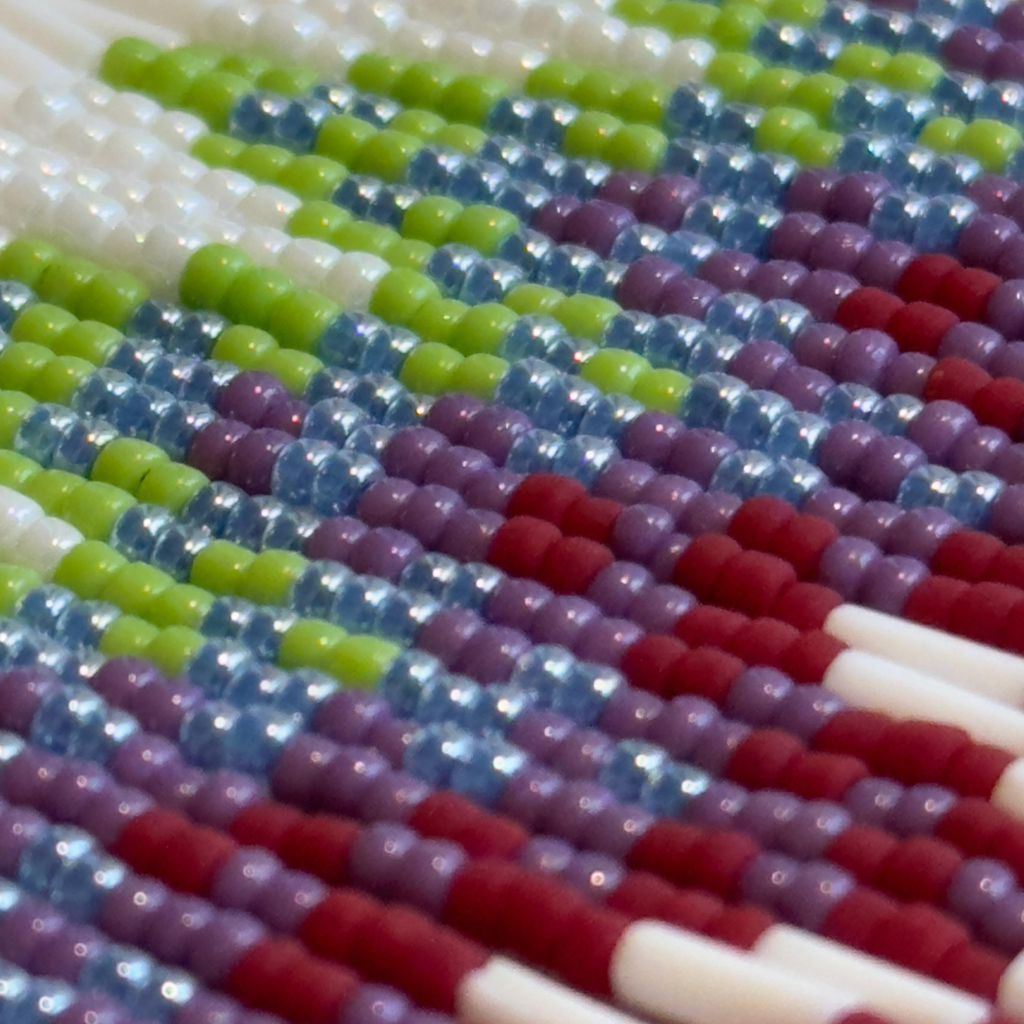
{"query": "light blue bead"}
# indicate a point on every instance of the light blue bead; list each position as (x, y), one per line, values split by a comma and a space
(14, 297)
(407, 678)
(742, 473)
(749, 228)
(203, 382)
(767, 178)
(905, 115)
(432, 168)
(370, 439)
(210, 507)
(927, 486)
(583, 693)
(485, 773)
(263, 633)
(690, 249)
(403, 613)
(939, 226)
(177, 425)
(432, 573)
(73, 722)
(249, 523)
(542, 671)
(858, 106)
(378, 110)
(672, 340)
(973, 498)
(434, 751)
(849, 401)
(315, 590)
(359, 602)
(958, 94)
(927, 34)
(72, 669)
(347, 335)
(259, 736)
(630, 330)
(472, 585)
(862, 151)
(170, 373)
(296, 467)
(1014, 169)
(564, 266)
(585, 458)
(254, 117)
(195, 332)
(580, 177)
(726, 168)
(603, 279)
(521, 388)
(497, 710)
(205, 737)
(50, 998)
(685, 156)
(19, 644)
(216, 664)
(609, 415)
(304, 692)
(299, 123)
(449, 698)
(793, 480)
(450, 265)
(632, 766)
(951, 172)
(477, 181)
(886, 28)
(710, 398)
(124, 973)
(42, 607)
(490, 281)
(545, 127)
(637, 240)
(905, 165)
(509, 116)
(1003, 101)
(176, 549)
(670, 792)
(135, 356)
(56, 849)
(732, 313)
(892, 415)
(797, 435)
(709, 215)
(102, 393)
(525, 249)
(507, 149)
(548, 168)
(332, 420)
(84, 623)
(340, 481)
(137, 529)
(80, 887)
(41, 431)
(257, 684)
(751, 418)
(563, 404)
(406, 410)
(81, 444)
(523, 198)
(155, 321)
(137, 414)
(15, 995)
(390, 203)
(690, 110)
(780, 320)
(357, 192)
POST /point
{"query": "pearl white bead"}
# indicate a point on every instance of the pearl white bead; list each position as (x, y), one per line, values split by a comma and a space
(84, 219)
(645, 48)
(82, 136)
(174, 201)
(17, 511)
(174, 166)
(418, 40)
(224, 187)
(178, 129)
(290, 32)
(514, 62)
(308, 260)
(168, 247)
(8, 169)
(129, 149)
(263, 245)
(546, 22)
(11, 144)
(132, 110)
(93, 93)
(233, 24)
(39, 111)
(128, 190)
(220, 229)
(687, 59)
(28, 198)
(123, 246)
(352, 279)
(335, 51)
(91, 178)
(267, 204)
(466, 50)
(596, 41)
(42, 545)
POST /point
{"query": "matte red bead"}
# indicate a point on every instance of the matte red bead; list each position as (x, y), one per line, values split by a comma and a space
(971, 825)
(920, 281)
(544, 496)
(703, 561)
(717, 862)
(708, 625)
(867, 308)
(752, 581)
(853, 920)
(756, 522)
(312, 991)
(647, 663)
(1012, 637)
(447, 815)
(854, 732)
(536, 915)
(703, 672)
(966, 291)
(1008, 845)
(261, 971)
(641, 895)
(931, 602)
(973, 969)
(572, 563)
(1007, 567)
(520, 544)
(321, 845)
(761, 759)
(966, 555)
(740, 926)
(334, 927)
(979, 613)
(862, 850)
(819, 776)
(141, 842)
(583, 957)
(810, 657)
(1000, 403)
(265, 824)
(975, 770)
(807, 605)
(956, 380)
(918, 937)
(917, 751)
(762, 641)
(593, 518)
(664, 848)
(862, 1017)
(476, 901)
(919, 868)
(921, 326)
(802, 541)
(190, 860)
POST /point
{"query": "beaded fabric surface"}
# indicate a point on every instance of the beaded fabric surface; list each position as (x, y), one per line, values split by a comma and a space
(512, 512)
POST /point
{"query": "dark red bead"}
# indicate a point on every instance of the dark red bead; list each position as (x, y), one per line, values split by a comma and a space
(593, 518)
(544, 496)
(922, 277)
(756, 522)
(867, 308)
(520, 544)
(703, 561)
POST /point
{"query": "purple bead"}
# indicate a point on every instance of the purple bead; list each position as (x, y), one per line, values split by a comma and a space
(285, 904)
(765, 813)
(453, 467)
(872, 520)
(128, 911)
(843, 448)
(289, 416)
(1003, 924)
(833, 504)
(776, 279)
(447, 633)
(207, 1007)
(63, 954)
(615, 828)
(583, 754)
(816, 345)
(806, 710)
(729, 269)
(663, 563)
(449, 416)
(1005, 310)
(1011, 258)
(250, 396)
(348, 776)
(658, 608)
(346, 717)
(717, 744)
(765, 878)
(794, 235)
(529, 794)
(862, 356)
(515, 602)
(969, 48)
(854, 196)
(817, 888)
(645, 282)
(606, 641)
(490, 654)
(665, 201)
(883, 263)
(551, 217)
(971, 341)
(939, 426)
(24, 690)
(334, 538)
(686, 296)
(682, 723)
(380, 505)
(630, 713)
(595, 875)
(1006, 519)
(597, 224)
(541, 733)
(384, 552)
(811, 190)
(844, 563)
(427, 512)
(638, 531)
(991, 191)
(562, 619)
(211, 447)
(1009, 360)
(77, 782)
(25, 928)
(982, 237)
(545, 855)
(615, 587)
(252, 459)
(672, 492)
(468, 534)
(696, 454)
(494, 429)
(118, 679)
(427, 873)
(392, 797)
(977, 886)
(1010, 21)
(919, 533)
(375, 1004)
(812, 829)
(757, 694)
(174, 927)
(758, 362)
(135, 761)
(161, 707)
(871, 800)
(490, 491)
(376, 857)
(718, 805)
(1008, 465)
(920, 809)
(802, 386)
(624, 188)
(390, 738)
(245, 874)
(839, 246)
(110, 810)
(889, 581)
(710, 512)
(823, 290)
(222, 944)
(223, 796)
(648, 439)
(27, 777)
(885, 465)
(571, 809)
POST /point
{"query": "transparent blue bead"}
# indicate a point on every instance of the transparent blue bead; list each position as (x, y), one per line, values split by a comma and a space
(378, 110)
(175, 428)
(206, 738)
(14, 297)
(710, 399)
(1014, 169)
(16, 989)
(170, 373)
(896, 215)
(246, 524)
(583, 693)
(356, 194)
(209, 508)
(497, 710)
(906, 164)
(585, 458)
(886, 28)
(449, 266)
(742, 473)
(726, 167)
(347, 335)
(303, 692)
(858, 106)
(73, 722)
(543, 670)
(408, 678)
(535, 336)
(709, 215)
(849, 402)
(254, 117)
(299, 124)
(509, 151)
(892, 415)
(973, 498)
(473, 584)
(905, 115)
(979, 12)
(949, 173)
(712, 353)
(564, 266)
(155, 320)
(1002, 101)
(790, 45)
(50, 998)
(734, 124)
(135, 356)
(927, 34)
(216, 664)
(670, 792)
(509, 115)
(942, 8)
(525, 249)
(636, 241)
(690, 110)
(490, 281)
(79, 885)
(543, 166)
(522, 386)
(767, 178)
(257, 739)
(370, 439)
(672, 340)
(359, 602)
(685, 156)
(263, 633)
(19, 644)
(84, 623)
(862, 151)
(485, 773)
(609, 415)
(42, 606)
(563, 404)
(450, 698)
(137, 412)
(123, 973)
(602, 279)
(70, 667)
(793, 480)
(957, 94)
(523, 198)
(432, 573)
(797, 435)
(407, 410)
(432, 168)
(332, 420)
(940, 224)
(749, 228)
(195, 333)
(780, 320)
(256, 683)
(545, 127)
(403, 613)
(631, 767)
(41, 431)
(927, 486)
(295, 468)
(579, 177)
(340, 481)
(137, 529)
(477, 181)
(690, 249)
(434, 750)
(751, 418)
(315, 590)
(630, 330)
(203, 381)
(390, 203)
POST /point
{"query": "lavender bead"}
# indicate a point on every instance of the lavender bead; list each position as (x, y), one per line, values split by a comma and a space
(515, 602)
(111, 809)
(494, 430)
(718, 743)
(490, 655)
(710, 512)
(376, 857)
(384, 552)
(657, 609)
(285, 904)
(246, 874)
(348, 776)
(624, 481)
(562, 619)
(63, 955)
(296, 773)
(639, 529)
(392, 797)
(682, 723)
(630, 713)
(757, 695)
(529, 794)
(765, 813)
(766, 877)
(816, 345)
(817, 888)
(595, 875)
(615, 828)
(541, 733)
(919, 532)
(411, 448)
(24, 690)
(919, 810)
(222, 944)
(812, 829)
(888, 582)
(844, 563)
(375, 1004)
(19, 827)
(805, 710)
(978, 886)
(719, 805)
(427, 873)
(347, 716)
(583, 754)
(650, 438)
(1003, 924)
(696, 454)
(222, 796)
(547, 855)
(571, 809)
(615, 587)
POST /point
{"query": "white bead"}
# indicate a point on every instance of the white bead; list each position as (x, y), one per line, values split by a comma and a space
(8, 169)
(93, 93)
(335, 51)
(123, 246)
(466, 50)
(6, 237)
(30, 197)
(175, 166)
(514, 61)
(17, 511)
(687, 59)
(132, 110)
(167, 249)
(178, 129)
(233, 24)
(596, 41)
(308, 260)
(263, 244)
(418, 40)
(352, 279)
(1008, 794)
(84, 219)
(220, 229)
(47, 162)
(267, 205)
(39, 110)
(545, 22)
(644, 47)
(1011, 989)
(174, 202)
(224, 187)
(289, 32)
(11, 144)
(128, 190)
(44, 544)
(130, 149)
(83, 136)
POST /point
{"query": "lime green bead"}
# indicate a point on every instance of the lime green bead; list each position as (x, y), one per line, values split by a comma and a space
(421, 123)
(125, 62)
(21, 363)
(779, 126)
(533, 298)
(246, 65)
(637, 12)
(797, 12)
(644, 101)
(376, 72)
(661, 390)
(585, 316)
(262, 162)
(88, 567)
(614, 370)
(51, 488)
(774, 86)
(430, 218)
(479, 375)
(293, 369)
(365, 236)
(553, 79)
(25, 259)
(312, 177)
(62, 282)
(42, 324)
(469, 98)
(683, 18)
(360, 661)
(386, 154)
(217, 150)
(816, 147)
(61, 378)
(858, 60)
(429, 368)
(308, 643)
(134, 586)
(736, 24)
(341, 137)
(424, 83)
(399, 294)
(990, 142)
(16, 470)
(481, 329)
(173, 648)
(463, 138)
(300, 318)
(180, 605)
(732, 73)
(244, 346)
(253, 294)
(171, 485)
(600, 89)
(588, 134)
(212, 96)
(319, 219)
(911, 72)
(15, 582)
(483, 227)
(127, 637)
(125, 461)
(639, 147)
(90, 340)
(436, 319)
(14, 407)
(942, 134)
(409, 254)
(220, 566)
(111, 297)
(289, 81)
(818, 94)
(95, 507)
(169, 77)
(269, 578)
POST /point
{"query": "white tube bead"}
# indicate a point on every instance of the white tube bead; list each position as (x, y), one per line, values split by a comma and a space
(985, 670)
(906, 997)
(290, 31)
(664, 972)
(1008, 794)
(38, 110)
(268, 205)
(352, 279)
(24, 64)
(43, 544)
(17, 512)
(64, 41)
(867, 681)
(1010, 998)
(308, 260)
(112, 21)
(232, 25)
(263, 244)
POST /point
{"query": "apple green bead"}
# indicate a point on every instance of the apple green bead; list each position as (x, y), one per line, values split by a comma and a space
(16, 470)
(644, 101)
(263, 162)
(293, 369)
(61, 378)
(169, 77)
(61, 283)
(428, 368)
(942, 134)
(25, 259)
(244, 346)
(247, 65)
(376, 72)
(269, 577)
(600, 89)
(421, 123)
(125, 461)
(180, 605)
(134, 586)
(469, 98)
(736, 24)
(300, 318)
(773, 86)
(400, 293)
(15, 582)
(173, 648)
(90, 340)
(360, 661)
(217, 150)
(732, 73)
(911, 72)
(614, 370)
(422, 83)
(51, 488)
(125, 61)
(479, 374)
(386, 154)
(436, 318)
(289, 81)
(171, 485)
(211, 54)
(318, 219)
(14, 407)
(213, 96)
(464, 138)
(95, 507)
(112, 297)
(533, 298)
(482, 328)
(483, 227)
(859, 60)
(816, 147)
(639, 147)
(312, 177)
(818, 93)
(365, 236)
(797, 12)
(779, 126)
(307, 644)
(127, 637)
(585, 316)
(990, 142)
(21, 363)
(684, 18)
(637, 12)
(42, 323)
(253, 294)
(430, 218)
(409, 254)
(661, 390)
(220, 566)
(588, 133)
(554, 79)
